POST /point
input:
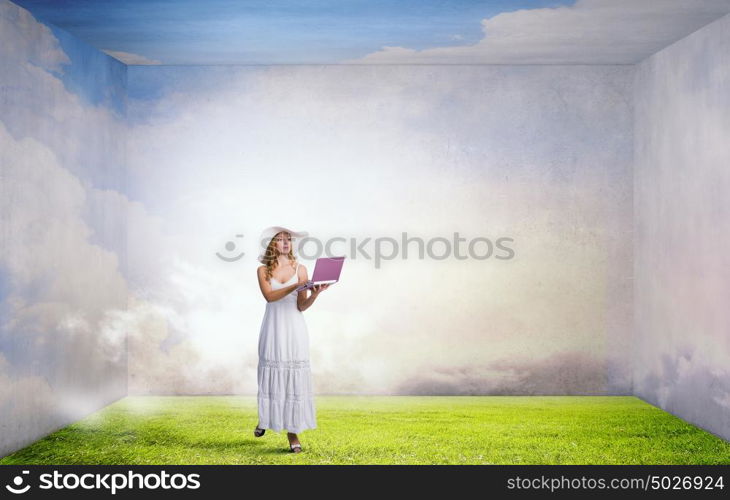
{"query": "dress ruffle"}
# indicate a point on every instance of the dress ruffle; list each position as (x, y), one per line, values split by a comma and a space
(285, 398)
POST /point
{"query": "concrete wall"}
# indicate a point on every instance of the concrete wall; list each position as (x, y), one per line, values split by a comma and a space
(62, 229)
(541, 154)
(682, 229)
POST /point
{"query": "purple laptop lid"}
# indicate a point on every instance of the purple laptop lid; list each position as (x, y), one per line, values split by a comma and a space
(325, 269)
(328, 268)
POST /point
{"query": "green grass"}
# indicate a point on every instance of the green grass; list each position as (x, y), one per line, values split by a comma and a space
(383, 430)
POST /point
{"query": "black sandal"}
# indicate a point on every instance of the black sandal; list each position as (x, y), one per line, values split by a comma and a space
(258, 432)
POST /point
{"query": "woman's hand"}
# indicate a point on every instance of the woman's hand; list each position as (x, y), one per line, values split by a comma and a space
(318, 288)
(304, 303)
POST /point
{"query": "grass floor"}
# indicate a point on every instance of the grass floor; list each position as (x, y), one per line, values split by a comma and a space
(383, 430)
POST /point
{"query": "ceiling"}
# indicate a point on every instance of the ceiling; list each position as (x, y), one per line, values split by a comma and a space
(209, 32)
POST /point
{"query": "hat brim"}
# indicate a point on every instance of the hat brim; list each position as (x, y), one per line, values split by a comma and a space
(272, 231)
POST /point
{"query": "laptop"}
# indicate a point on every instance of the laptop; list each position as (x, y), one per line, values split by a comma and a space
(326, 271)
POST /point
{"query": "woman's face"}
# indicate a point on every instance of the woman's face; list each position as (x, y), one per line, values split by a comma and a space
(283, 243)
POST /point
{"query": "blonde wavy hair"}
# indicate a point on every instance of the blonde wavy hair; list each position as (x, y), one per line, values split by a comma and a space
(271, 257)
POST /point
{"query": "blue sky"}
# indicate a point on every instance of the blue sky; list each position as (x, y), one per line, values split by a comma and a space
(270, 31)
(104, 86)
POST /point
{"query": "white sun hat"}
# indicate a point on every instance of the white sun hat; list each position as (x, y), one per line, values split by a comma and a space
(272, 231)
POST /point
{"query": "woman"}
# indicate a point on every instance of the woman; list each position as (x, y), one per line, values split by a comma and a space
(285, 396)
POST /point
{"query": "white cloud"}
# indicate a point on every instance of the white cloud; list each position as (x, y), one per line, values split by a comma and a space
(26, 404)
(207, 356)
(589, 32)
(47, 240)
(21, 37)
(425, 151)
(35, 102)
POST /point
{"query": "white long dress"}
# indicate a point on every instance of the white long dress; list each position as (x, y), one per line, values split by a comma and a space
(285, 395)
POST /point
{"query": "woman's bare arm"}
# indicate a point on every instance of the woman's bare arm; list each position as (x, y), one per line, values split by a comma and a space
(269, 294)
(303, 302)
